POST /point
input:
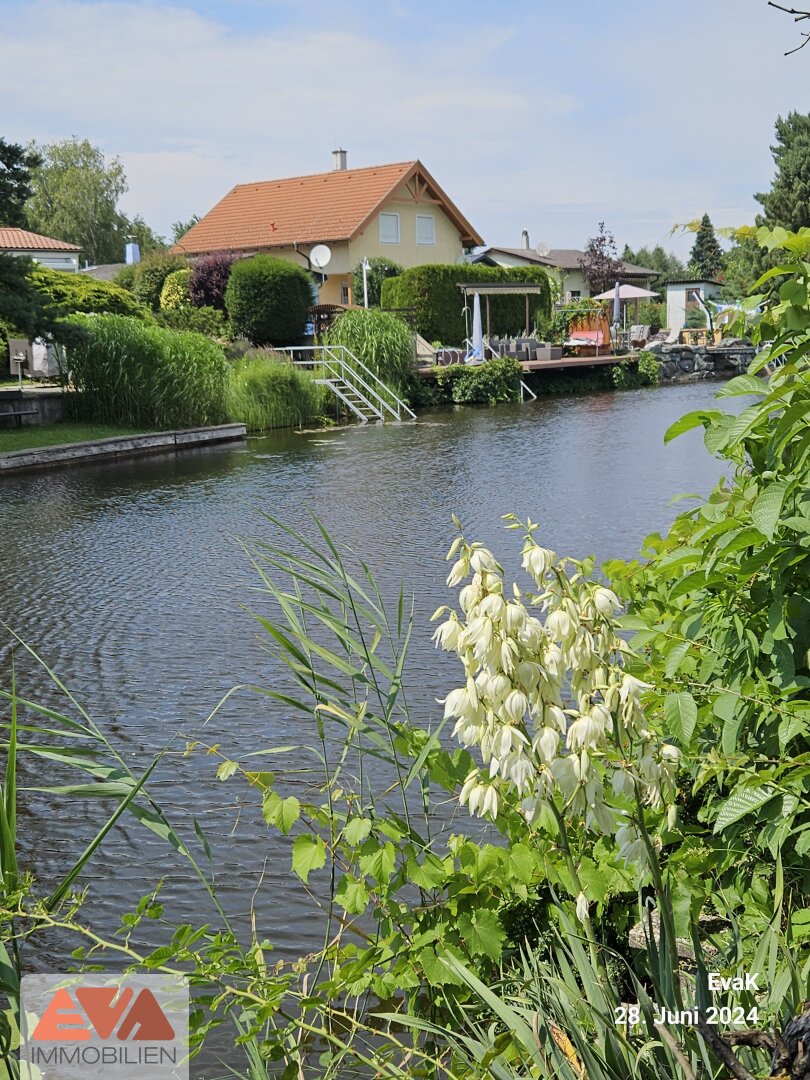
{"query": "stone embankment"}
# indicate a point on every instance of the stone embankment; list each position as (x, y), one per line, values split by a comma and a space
(683, 363)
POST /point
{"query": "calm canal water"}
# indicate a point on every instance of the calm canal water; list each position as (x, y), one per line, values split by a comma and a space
(129, 581)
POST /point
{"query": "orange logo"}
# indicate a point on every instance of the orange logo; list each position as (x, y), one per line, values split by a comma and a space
(105, 1010)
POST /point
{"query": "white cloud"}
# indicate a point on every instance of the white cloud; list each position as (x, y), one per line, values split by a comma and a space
(525, 121)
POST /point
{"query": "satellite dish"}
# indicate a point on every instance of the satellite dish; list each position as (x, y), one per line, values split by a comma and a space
(542, 249)
(320, 256)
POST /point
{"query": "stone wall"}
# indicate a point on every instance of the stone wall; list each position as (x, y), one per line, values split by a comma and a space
(681, 363)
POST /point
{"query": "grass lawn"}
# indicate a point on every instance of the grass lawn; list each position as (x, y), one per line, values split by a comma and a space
(33, 435)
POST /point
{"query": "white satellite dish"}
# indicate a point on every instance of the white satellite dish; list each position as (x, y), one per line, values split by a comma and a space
(542, 249)
(320, 256)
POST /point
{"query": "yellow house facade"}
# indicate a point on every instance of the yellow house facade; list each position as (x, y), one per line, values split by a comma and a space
(395, 212)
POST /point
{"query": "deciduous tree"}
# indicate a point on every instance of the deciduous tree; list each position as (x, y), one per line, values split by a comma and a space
(601, 265)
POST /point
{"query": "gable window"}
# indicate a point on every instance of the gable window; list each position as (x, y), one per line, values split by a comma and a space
(425, 229)
(389, 228)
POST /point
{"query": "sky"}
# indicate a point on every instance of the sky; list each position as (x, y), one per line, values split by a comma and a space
(545, 115)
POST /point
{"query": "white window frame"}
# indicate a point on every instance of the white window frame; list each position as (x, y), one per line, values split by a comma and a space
(432, 220)
(395, 216)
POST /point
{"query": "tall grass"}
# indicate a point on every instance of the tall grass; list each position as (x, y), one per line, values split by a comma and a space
(264, 393)
(127, 372)
(382, 341)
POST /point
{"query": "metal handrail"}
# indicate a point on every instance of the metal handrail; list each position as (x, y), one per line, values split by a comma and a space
(338, 375)
(356, 377)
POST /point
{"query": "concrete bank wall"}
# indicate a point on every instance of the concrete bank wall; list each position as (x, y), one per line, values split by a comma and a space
(48, 404)
(119, 446)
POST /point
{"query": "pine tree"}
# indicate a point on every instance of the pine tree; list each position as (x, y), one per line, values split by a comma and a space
(707, 259)
(788, 202)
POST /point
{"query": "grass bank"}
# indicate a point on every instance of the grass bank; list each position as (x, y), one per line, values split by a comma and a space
(36, 435)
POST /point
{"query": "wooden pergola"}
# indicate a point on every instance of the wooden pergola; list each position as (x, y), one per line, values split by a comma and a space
(526, 289)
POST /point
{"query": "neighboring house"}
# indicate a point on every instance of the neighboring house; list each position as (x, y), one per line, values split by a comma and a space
(564, 264)
(383, 211)
(55, 254)
(682, 297)
(104, 271)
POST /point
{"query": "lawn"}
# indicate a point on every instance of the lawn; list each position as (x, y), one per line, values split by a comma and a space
(34, 435)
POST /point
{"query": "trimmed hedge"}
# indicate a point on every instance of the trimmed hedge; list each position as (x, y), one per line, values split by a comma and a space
(174, 293)
(209, 280)
(268, 300)
(433, 291)
(85, 295)
(151, 274)
(203, 320)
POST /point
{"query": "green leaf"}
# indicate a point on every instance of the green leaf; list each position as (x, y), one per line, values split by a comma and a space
(351, 894)
(675, 656)
(429, 873)
(308, 854)
(282, 813)
(742, 384)
(800, 924)
(680, 714)
(357, 830)
(700, 418)
(483, 933)
(521, 864)
(743, 802)
(768, 507)
(794, 292)
(379, 863)
(437, 971)
(226, 769)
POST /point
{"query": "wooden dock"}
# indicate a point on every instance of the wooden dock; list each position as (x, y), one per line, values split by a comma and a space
(548, 365)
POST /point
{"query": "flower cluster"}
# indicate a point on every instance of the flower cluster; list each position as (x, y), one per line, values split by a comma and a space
(547, 699)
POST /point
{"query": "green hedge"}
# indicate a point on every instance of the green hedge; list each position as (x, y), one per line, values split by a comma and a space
(147, 282)
(84, 295)
(267, 300)
(174, 293)
(433, 291)
(145, 376)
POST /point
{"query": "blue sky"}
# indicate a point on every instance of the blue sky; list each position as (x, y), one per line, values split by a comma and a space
(545, 115)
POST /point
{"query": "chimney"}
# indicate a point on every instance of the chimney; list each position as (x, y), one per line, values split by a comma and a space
(339, 160)
(524, 236)
(132, 254)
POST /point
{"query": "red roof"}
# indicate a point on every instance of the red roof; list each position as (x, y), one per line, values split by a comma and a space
(309, 209)
(22, 240)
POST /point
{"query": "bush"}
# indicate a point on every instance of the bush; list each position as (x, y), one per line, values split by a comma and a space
(652, 315)
(379, 269)
(472, 384)
(267, 300)
(151, 274)
(174, 293)
(125, 278)
(82, 294)
(382, 341)
(265, 393)
(128, 372)
(204, 320)
(695, 319)
(209, 280)
(643, 371)
(433, 291)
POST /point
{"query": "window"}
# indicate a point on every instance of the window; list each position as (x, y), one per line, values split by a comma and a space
(344, 293)
(575, 294)
(389, 228)
(425, 229)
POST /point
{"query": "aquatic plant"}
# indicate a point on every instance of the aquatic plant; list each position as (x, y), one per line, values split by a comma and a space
(267, 392)
(381, 340)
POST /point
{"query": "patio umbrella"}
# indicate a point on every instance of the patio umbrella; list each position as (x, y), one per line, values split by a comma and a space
(617, 305)
(626, 292)
(477, 350)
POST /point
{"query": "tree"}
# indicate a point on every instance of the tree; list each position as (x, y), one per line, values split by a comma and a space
(666, 263)
(146, 238)
(25, 310)
(798, 16)
(742, 268)
(378, 270)
(180, 228)
(601, 265)
(707, 258)
(788, 202)
(16, 163)
(75, 198)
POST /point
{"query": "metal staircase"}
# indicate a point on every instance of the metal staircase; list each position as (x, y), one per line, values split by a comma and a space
(360, 390)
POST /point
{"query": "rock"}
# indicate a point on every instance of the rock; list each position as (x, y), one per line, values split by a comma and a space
(668, 369)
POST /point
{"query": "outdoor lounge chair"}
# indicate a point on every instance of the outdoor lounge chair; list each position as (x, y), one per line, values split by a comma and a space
(638, 336)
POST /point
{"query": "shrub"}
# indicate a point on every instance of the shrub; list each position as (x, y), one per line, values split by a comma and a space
(653, 315)
(125, 278)
(151, 273)
(695, 319)
(209, 280)
(642, 371)
(128, 372)
(379, 269)
(472, 384)
(174, 293)
(82, 294)
(267, 300)
(265, 393)
(649, 369)
(433, 291)
(204, 320)
(382, 341)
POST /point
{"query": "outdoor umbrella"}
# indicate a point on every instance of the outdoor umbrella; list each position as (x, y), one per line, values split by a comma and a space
(617, 305)
(477, 343)
(626, 292)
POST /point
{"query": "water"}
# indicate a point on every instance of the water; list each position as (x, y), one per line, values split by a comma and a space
(129, 580)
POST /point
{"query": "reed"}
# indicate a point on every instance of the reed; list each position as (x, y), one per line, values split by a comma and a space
(128, 372)
(264, 392)
(382, 341)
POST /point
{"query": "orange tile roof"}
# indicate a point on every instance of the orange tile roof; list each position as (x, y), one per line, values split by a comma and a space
(307, 209)
(22, 240)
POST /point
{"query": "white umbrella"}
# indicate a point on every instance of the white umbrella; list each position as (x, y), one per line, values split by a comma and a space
(617, 305)
(477, 341)
(626, 292)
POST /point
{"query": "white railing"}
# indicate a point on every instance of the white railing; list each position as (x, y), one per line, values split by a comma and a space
(342, 364)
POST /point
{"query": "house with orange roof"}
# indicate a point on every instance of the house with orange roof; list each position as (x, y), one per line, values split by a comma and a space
(55, 254)
(382, 211)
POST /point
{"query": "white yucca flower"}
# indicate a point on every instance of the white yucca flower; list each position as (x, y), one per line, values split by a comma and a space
(607, 602)
(515, 706)
(481, 559)
(458, 572)
(584, 732)
(446, 636)
(582, 908)
(546, 744)
(538, 561)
